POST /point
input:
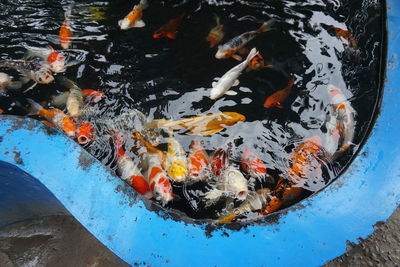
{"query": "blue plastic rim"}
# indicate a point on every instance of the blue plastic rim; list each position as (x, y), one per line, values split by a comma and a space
(368, 192)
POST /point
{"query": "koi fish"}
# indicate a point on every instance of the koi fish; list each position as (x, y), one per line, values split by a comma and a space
(198, 160)
(232, 182)
(216, 34)
(30, 71)
(55, 60)
(276, 99)
(65, 33)
(346, 34)
(253, 202)
(219, 162)
(233, 46)
(157, 178)
(55, 116)
(85, 133)
(170, 29)
(257, 63)
(285, 193)
(230, 78)
(345, 115)
(305, 161)
(1, 111)
(176, 163)
(134, 17)
(6, 82)
(92, 96)
(130, 172)
(254, 166)
(202, 124)
(75, 97)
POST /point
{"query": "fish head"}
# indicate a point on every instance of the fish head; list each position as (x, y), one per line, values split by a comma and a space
(43, 76)
(215, 92)
(162, 190)
(178, 170)
(85, 133)
(124, 24)
(236, 182)
(232, 118)
(57, 66)
(5, 80)
(221, 53)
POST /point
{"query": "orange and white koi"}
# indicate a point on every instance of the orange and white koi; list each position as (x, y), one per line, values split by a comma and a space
(230, 78)
(276, 99)
(134, 17)
(158, 178)
(345, 115)
(198, 160)
(75, 97)
(86, 133)
(55, 116)
(306, 161)
(176, 163)
(233, 46)
(216, 34)
(170, 29)
(129, 171)
(92, 96)
(55, 60)
(65, 34)
(219, 162)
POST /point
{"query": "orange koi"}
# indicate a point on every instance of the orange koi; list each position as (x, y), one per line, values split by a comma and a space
(134, 17)
(276, 100)
(346, 34)
(198, 160)
(216, 34)
(254, 166)
(55, 116)
(1, 111)
(170, 29)
(85, 133)
(65, 33)
(130, 172)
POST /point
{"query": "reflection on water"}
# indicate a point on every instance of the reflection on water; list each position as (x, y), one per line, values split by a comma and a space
(171, 79)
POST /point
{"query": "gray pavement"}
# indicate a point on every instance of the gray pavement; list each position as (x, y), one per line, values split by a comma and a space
(60, 240)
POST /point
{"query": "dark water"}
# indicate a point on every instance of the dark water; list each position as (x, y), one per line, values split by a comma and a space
(172, 78)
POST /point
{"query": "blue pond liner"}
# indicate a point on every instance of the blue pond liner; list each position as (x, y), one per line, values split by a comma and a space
(313, 232)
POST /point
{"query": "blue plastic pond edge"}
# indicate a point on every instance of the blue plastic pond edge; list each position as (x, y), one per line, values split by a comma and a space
(368, 192)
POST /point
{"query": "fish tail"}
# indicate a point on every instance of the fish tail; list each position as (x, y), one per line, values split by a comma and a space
(266, 26)
(217, 19)
(34, 107)
(68, 12)
(144, 4)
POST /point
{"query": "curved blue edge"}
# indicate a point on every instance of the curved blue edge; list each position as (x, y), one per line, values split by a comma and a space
(368, 192)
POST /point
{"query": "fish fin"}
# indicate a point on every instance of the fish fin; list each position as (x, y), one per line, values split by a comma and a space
(236, 83)
(227, 219)
(237, 57)
(267, 26)
(139, 24)
(54, 39)
(71, 63)
(243, 50)
(67, 83)
(279, 105)
(214, 84)
(15, 85)
(212, 196)
(211, 131)
(231, 93)
(30, 88)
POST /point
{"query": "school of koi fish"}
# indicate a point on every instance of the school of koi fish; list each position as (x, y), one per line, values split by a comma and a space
(156, 171)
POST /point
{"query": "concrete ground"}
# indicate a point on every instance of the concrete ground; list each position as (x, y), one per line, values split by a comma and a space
(60, 240)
